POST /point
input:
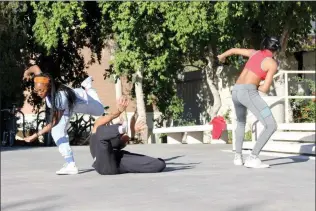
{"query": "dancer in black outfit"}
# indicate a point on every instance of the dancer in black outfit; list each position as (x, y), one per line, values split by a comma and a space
(107, 142)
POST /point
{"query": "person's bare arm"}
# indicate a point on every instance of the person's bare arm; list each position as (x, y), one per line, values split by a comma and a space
(47, 128)
(103, 120)
(272, 69)
(32, 70)
(235, 51)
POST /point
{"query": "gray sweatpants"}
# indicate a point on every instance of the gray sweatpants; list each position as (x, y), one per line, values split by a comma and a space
(246, 96)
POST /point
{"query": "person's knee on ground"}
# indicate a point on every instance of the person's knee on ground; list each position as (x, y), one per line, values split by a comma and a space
(122, 142)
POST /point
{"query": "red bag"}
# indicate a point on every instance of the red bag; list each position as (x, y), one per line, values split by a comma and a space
(219, 125)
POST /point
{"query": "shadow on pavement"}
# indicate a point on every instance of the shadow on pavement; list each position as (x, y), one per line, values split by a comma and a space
(175, 157)
(178, 166)
(295, 159)
(17, 148)
(26, 204)
(246, 207)
(82, 171)
(169, 169)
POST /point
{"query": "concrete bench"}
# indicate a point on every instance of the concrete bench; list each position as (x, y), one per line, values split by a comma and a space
(188, 134)
(298, 138)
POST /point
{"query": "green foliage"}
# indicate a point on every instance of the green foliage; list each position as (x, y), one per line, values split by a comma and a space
(227, 116)
(309, 44)
(159, 38)
(13, 39)
(304, 110)
(59, 31)
(248, 136)
(63, 29)
(146, 43)
(184, 120)
(55, 21)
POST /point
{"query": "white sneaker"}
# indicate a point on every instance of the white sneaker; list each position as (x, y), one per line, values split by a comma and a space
(254, 162)
(238, 160)
(68, 168)
(87, 83)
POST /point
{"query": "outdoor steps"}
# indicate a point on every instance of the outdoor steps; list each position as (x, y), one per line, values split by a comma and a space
(285, 147)
(298, 138)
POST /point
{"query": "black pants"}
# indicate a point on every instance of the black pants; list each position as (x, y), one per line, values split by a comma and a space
(109, 158)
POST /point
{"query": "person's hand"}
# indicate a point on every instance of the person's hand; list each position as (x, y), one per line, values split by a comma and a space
(221, 58)
(122, 103)
(139, 126)
(30, 138)
(27, 76)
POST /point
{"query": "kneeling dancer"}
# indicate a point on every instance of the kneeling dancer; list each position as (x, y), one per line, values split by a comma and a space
(107, 142)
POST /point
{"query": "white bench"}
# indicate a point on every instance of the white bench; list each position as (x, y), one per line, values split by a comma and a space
(298, 138)
(188, 134)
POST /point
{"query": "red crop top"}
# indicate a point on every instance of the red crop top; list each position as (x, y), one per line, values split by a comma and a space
(254, 63)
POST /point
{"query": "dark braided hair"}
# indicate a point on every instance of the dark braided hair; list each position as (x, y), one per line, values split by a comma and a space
(55, 95)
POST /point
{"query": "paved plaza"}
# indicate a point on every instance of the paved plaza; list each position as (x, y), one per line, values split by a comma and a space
(197, 178)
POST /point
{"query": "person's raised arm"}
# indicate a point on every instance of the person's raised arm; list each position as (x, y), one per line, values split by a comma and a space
(103, 120)
(235, 51)
(32, 70)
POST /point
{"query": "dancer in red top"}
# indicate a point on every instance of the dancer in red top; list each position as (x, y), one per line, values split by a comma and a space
(261, 66)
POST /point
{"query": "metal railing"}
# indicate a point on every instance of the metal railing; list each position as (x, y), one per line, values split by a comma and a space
(286, 96)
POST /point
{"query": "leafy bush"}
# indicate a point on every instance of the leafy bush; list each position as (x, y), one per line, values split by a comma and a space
(304, 109)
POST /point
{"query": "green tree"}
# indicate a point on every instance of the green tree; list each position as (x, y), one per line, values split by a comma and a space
(59, 31)
(218, 26)
(145, 53)
(13, 55)
(154, 41)
(290, 21)
(13, 52)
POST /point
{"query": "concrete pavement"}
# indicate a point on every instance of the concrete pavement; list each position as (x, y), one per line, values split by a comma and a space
(198, 177)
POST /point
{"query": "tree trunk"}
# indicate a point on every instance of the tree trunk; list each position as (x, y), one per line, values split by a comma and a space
(287, 29)
(140, 103)
(132, 124)
(284, 61)
(211, 80)
(216, 96)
